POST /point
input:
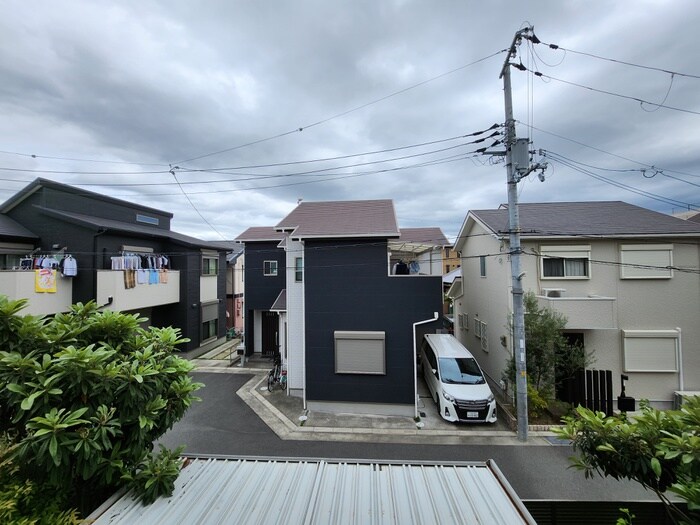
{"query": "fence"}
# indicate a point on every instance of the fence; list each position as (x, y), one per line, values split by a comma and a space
(589, 388)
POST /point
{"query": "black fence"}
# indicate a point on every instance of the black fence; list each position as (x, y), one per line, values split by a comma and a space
(599, 512)
(589, 388)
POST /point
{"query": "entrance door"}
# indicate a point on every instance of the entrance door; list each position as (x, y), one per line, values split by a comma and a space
(270, 333)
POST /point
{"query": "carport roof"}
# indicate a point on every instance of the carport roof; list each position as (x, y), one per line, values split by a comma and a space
(259, 490)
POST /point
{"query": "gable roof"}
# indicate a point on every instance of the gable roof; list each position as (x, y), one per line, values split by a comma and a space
(39, 183)
(332, 219)
(597, 219)
(110, 224)
(260, 234)
(432, 236)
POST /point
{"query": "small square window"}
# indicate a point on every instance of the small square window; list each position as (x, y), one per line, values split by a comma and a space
(270, 268)
(210, 265)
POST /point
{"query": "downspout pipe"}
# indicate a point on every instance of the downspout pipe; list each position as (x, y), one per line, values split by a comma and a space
(681, 379)
(415, 362)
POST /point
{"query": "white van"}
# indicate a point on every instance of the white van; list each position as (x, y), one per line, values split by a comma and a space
(456, 381)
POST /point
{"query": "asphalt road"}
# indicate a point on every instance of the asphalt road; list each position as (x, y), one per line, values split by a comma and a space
(223, 424)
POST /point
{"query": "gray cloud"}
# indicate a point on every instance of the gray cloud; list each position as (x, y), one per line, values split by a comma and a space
(169, 81)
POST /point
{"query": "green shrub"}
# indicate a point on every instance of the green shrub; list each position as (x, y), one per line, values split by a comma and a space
(87, 393)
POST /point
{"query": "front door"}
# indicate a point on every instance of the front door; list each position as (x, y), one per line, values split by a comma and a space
(270, 333)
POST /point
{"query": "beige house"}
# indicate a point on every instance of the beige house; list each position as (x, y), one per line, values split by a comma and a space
(627, 279)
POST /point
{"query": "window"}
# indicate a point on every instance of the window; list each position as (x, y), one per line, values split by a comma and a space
(565, 262)
(646, 261)
(9, 261)
(650, 350)
(270, 268)
(482, 265)
(146, 219)
(298, 269)
(484, 337)
(210, 320)
(359, 353)
(477, 328)
(466, 322)
(210, 329)
(210, 265)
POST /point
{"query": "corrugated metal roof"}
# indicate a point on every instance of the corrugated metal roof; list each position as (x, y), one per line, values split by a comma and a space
(260, 233)
(606, 218)
(328, 219)
(248, 491)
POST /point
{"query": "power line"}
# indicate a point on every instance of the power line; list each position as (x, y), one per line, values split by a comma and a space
(73, 159)
(654, 196)
(643, 171)
(536, 40)
(607, 152)
(612, 93)
(357, 108)
(195, 207)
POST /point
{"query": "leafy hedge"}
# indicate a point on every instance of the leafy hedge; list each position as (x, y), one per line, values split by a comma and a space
(84, 396)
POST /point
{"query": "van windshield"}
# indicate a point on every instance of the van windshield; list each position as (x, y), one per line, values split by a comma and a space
(460, 371)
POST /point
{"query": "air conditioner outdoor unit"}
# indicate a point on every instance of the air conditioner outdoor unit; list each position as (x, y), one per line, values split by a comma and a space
(680, 396)
(553, 292)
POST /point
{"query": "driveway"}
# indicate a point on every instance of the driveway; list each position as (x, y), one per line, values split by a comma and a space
(223, 424)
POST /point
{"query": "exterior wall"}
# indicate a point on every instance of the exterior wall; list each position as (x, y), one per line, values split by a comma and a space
(601, 308)
(295, 314)
(347, 288)
(450, 260)
(262, 290)
(19, 284)
(110, 283)
(431, 262)
(486, 299)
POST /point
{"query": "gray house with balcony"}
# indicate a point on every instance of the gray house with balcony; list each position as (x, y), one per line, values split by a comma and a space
(346, 290)
(625, 277)
(126, 258)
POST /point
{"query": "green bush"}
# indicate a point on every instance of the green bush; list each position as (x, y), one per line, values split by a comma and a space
(86, 394)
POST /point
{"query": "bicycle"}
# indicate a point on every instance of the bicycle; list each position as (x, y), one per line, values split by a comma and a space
(277, 377)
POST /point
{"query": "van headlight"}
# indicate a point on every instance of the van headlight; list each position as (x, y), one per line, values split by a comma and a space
(490, 398)
(447, 396)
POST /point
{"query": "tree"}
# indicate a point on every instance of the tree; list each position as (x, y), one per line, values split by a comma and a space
(86, 393)
(547, 349)
(658, 449)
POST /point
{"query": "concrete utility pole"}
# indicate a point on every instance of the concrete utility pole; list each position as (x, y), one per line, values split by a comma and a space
(518, 166)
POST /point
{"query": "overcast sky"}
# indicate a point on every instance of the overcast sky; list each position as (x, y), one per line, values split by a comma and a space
(154, 84)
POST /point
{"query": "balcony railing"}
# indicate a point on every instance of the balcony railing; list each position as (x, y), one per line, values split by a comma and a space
(111, 283)
(21, 284)
(589, 312)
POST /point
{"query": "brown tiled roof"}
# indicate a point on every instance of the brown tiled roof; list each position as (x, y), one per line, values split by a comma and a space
(432, 236)
(375, 218)
(605, 218)
(260, 233)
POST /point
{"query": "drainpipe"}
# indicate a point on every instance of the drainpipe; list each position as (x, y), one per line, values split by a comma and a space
(681, 381)
(415, 362)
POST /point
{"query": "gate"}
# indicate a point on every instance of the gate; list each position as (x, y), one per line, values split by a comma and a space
(270, 333)
(591, 389)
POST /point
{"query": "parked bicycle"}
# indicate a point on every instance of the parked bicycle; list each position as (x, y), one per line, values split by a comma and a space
(277, 378)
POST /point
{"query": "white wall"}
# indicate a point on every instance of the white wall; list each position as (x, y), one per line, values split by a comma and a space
(20, 285)
(295, 318)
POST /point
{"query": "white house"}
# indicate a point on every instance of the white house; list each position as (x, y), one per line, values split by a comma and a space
(627, 279)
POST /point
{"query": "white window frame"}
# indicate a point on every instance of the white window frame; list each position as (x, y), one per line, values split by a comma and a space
(565, 252)
(298, 269)
(634, 266)
(466, 322)
(351, 341)
(629, 365)
(482, 266)
(270, 268)
(477, 328)
(206, 268)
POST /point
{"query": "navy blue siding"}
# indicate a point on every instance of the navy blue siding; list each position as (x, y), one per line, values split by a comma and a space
(347, 287)
(260, 290)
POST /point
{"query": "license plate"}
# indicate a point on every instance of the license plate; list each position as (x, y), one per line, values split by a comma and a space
(472, 414)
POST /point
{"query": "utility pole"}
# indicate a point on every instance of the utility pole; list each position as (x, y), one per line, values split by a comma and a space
(518, 167)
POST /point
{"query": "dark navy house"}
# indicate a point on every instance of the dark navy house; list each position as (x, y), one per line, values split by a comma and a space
(60, 245)
(343, 295)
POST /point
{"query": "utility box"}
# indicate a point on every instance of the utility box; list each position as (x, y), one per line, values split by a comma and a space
(520, 155)
(626, 404)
